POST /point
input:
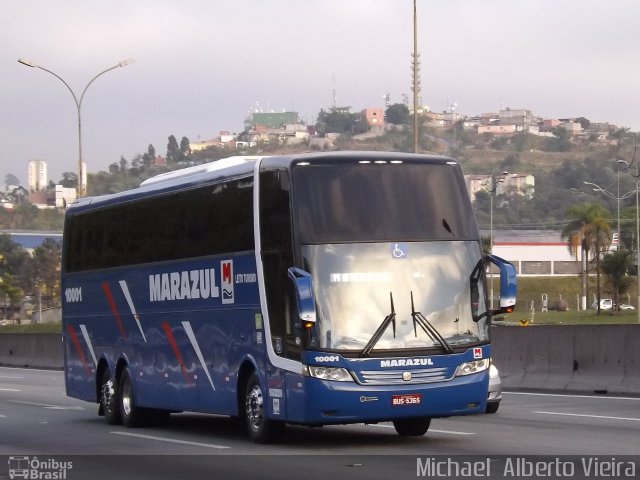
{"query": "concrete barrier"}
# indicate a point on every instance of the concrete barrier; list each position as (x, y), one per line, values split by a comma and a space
(36, 350)
(572, 358)
(576, 358)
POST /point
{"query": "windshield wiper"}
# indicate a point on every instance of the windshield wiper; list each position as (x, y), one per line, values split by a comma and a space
(429, 329)
(391, 318)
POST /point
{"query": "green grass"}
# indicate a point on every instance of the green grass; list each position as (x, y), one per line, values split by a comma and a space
(32, 328)
(573, 317)
(566, 291)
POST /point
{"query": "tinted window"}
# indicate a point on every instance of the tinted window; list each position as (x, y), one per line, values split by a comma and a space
(207, 220)
(277, 257)
(372, 202)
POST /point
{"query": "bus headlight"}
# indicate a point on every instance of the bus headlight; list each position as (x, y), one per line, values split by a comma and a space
(468, 368)
(336, 374)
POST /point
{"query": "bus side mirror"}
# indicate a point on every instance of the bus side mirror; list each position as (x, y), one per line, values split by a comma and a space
(305, 300)
(508, 284)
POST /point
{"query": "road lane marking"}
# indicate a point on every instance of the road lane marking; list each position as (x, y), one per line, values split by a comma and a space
(47, 370)
(8, 376)
(9, 390)
(170, 440)
(47, 405)
(431, 430)
(601, 397)
(604, 417)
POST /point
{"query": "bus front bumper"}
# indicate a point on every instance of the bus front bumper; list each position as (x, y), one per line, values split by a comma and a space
(320, 402)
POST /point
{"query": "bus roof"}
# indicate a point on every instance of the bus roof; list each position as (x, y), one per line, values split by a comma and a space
(171, 181)
(185, 173)
(236, 166)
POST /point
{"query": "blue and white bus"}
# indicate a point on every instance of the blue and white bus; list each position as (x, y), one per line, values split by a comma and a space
(311, 289)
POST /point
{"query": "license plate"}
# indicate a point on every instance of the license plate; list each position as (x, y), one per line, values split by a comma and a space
(406, 399)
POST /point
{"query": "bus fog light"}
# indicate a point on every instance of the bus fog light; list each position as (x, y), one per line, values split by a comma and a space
(327, 373)
(475, 366)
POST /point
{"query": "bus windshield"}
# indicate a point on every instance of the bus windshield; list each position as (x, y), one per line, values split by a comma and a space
(371, 202)
(354, 284)
(372, 234)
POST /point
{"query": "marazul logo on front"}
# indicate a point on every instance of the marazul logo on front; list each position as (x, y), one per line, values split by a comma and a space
(406, 362)
(192, 284)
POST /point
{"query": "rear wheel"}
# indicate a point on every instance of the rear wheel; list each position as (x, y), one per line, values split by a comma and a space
(412, 427)
(260, 428)
(132, 415)
(109, 399)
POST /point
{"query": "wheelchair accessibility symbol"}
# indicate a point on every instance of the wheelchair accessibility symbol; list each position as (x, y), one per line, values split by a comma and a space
(399, 250)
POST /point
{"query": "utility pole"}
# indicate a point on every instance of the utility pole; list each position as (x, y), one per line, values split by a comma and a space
(416, 78)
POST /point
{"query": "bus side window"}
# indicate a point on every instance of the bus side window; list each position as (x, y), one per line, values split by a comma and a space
(277, 257)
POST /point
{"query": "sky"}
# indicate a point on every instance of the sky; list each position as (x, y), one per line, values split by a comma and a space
(201, 66)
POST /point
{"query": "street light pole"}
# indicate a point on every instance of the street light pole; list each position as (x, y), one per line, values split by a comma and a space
(78, 102)
(618, 197)
(453, 123)
(415, 78)
(492, 192)
(637, 177)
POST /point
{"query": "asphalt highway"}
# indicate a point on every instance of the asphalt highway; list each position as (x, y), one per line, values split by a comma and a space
(38, 420)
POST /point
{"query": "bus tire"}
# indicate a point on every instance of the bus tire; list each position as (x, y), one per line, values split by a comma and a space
(412, 427)
(109, 405)
(132, 415)
(260, 428)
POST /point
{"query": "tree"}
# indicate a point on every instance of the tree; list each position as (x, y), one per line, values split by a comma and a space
(398, 114)
(11, 180)
(561, 142)
(148, 157)
(185, 147)
(10, 292)
(336, 120)
(619, 135)
(615, 266)
(47, 263)
(13, 260)
(588, 228)
(69, 180)
(23, 216)
(174, 154)
(584, 122)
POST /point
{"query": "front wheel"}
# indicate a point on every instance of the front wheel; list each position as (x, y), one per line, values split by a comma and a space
(412, 427)
(260, 428)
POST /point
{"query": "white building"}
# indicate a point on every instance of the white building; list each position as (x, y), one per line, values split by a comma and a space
(37, 177)
(536, 252)
(505, 184)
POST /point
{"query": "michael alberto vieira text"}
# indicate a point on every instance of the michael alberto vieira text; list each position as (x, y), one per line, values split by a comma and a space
(519, 467)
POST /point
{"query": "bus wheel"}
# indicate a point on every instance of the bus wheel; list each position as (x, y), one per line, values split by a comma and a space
(132, 415)
(261, 429)
(109, 399)
(412, 427)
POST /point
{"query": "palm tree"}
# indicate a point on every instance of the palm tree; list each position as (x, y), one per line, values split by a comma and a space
(588, 228)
